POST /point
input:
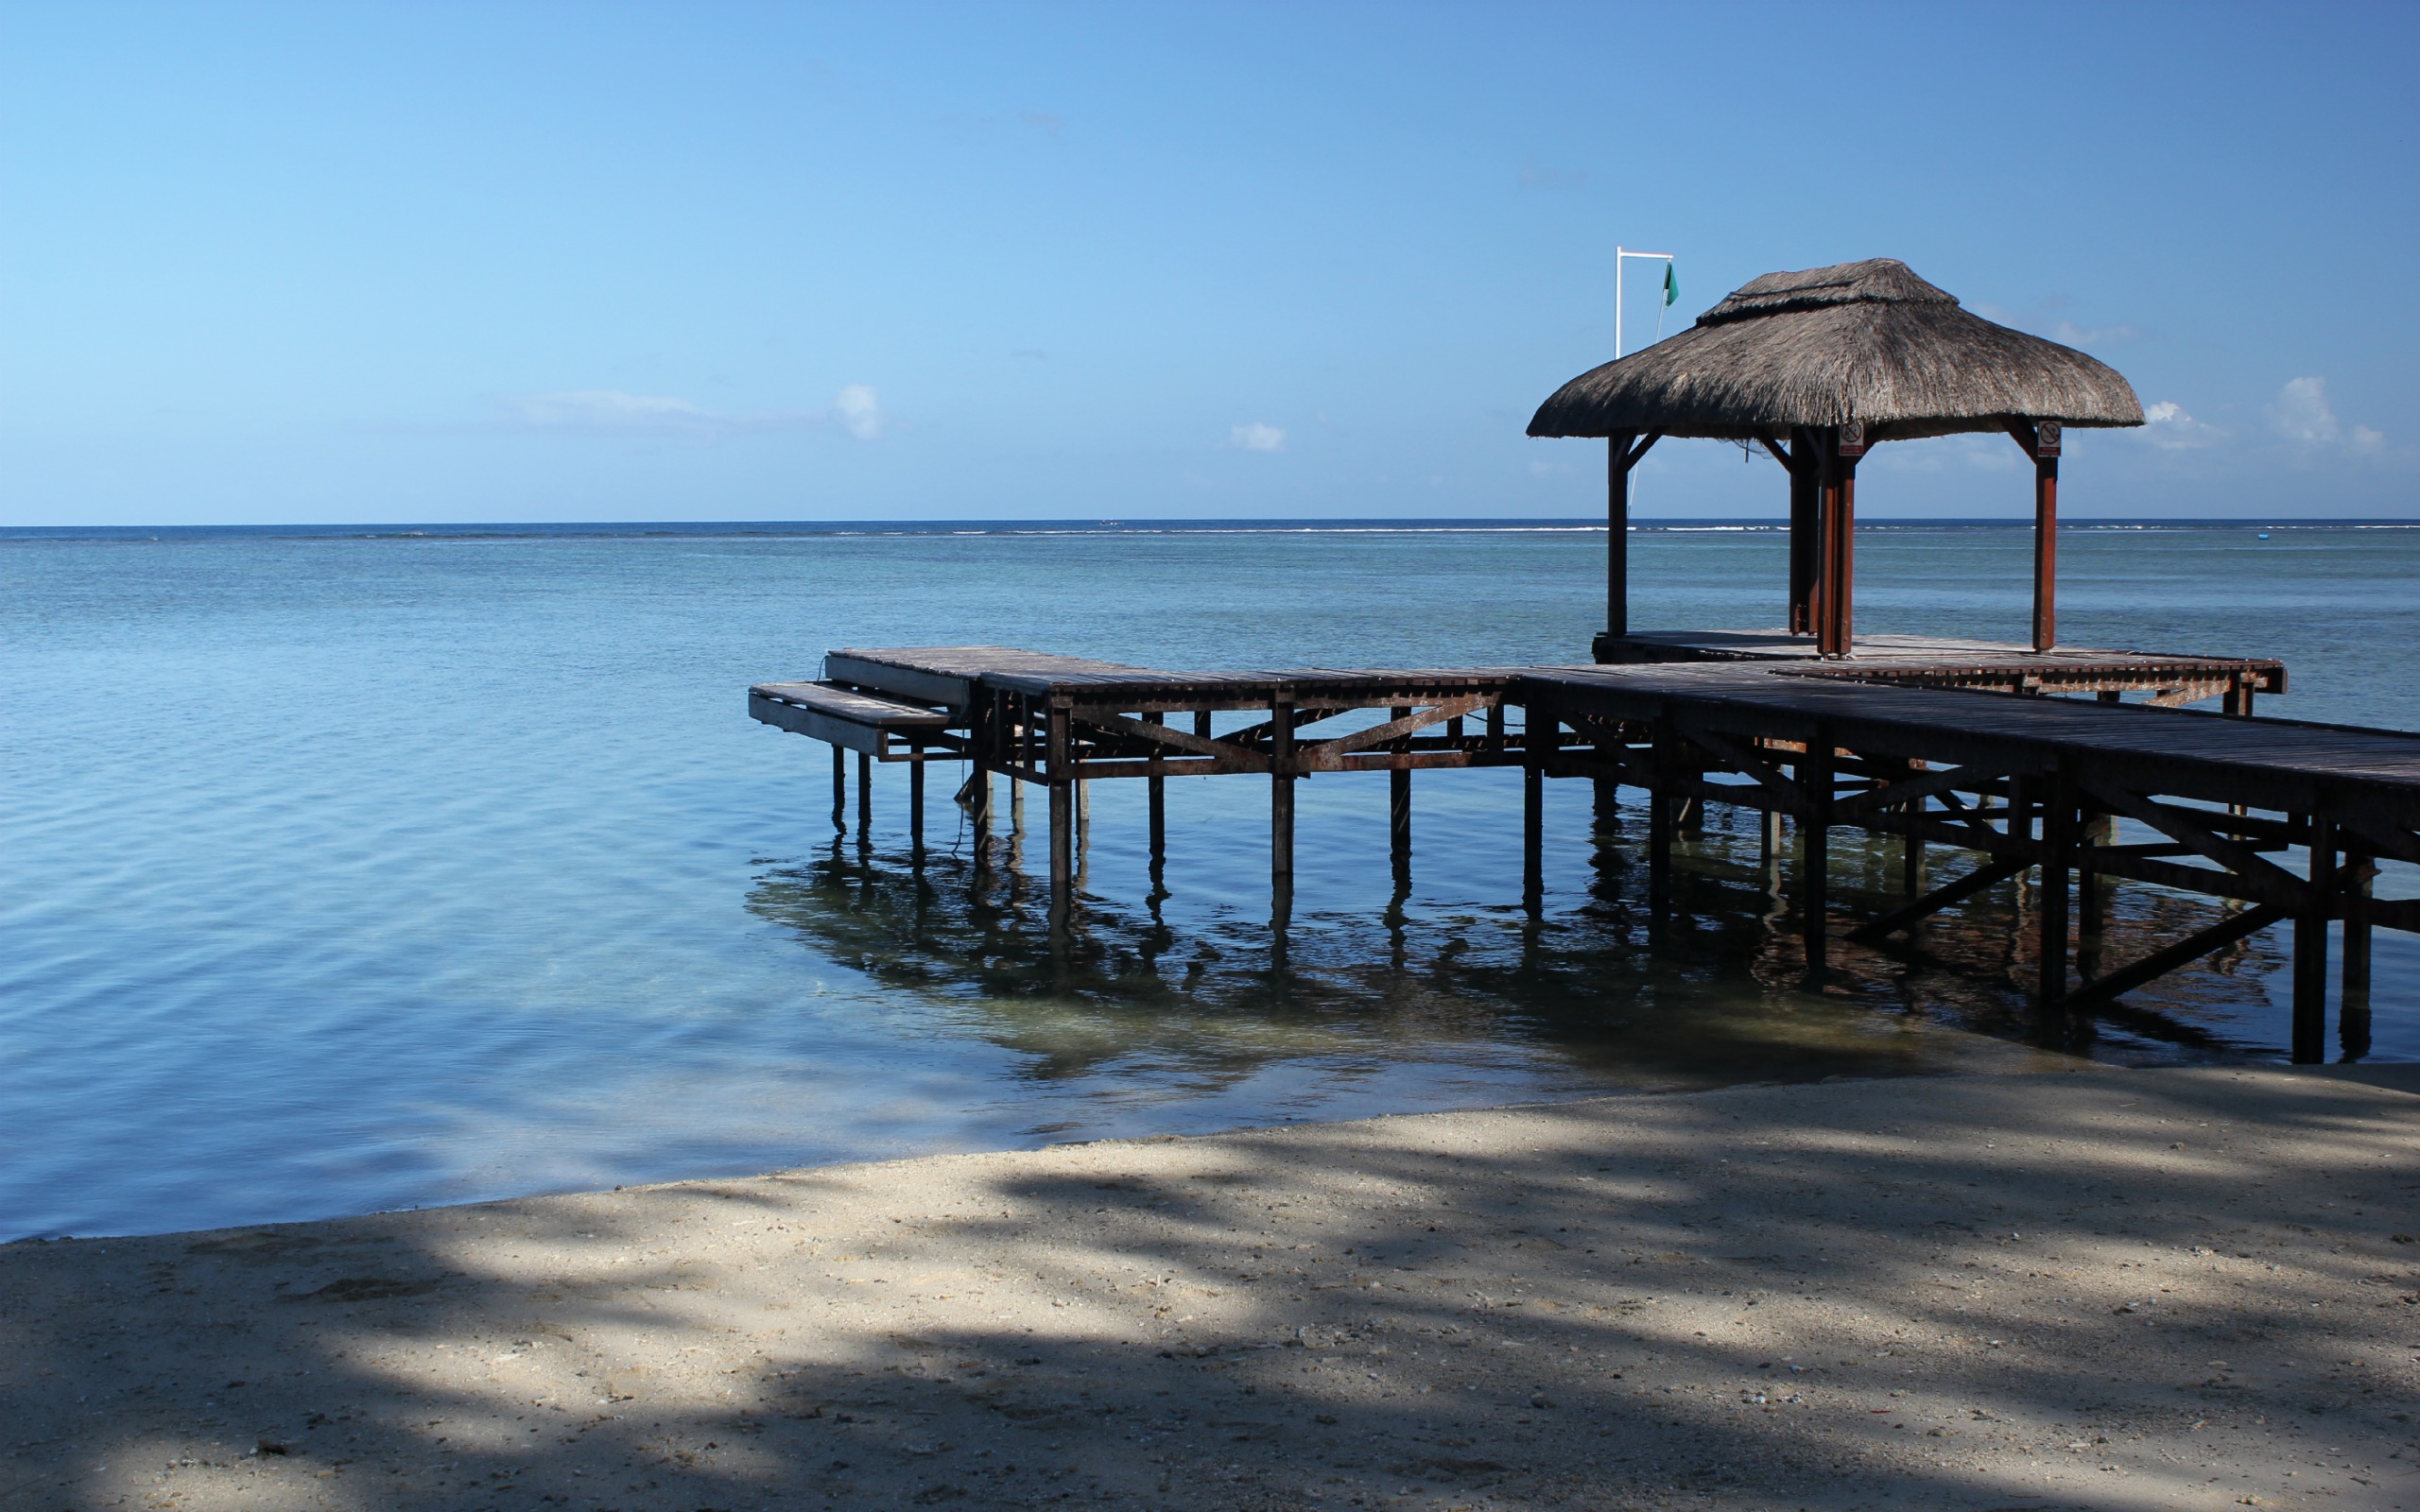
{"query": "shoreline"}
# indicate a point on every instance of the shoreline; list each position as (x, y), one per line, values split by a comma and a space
(2097, 1287)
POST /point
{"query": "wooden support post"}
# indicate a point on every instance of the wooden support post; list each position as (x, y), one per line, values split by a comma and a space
(1836, 613)
(1399, 805)
(2092, 830)
(2058, 841)
(1815, 848)
(979, 814)
(1769, 837)
(1532, 833)
(1617, 465)
(865, 800)
(1805, 522)
(1157, 791)
(2310, 949)
(1281, 808)
(839, 791)
(2045, 534)
(916, 807)
(2353, 1009)
(1659, 824)
(2360, 871)
(1062, 822)
(1689, 819)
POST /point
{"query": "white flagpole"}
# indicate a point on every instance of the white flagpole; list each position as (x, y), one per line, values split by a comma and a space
(1618, 256)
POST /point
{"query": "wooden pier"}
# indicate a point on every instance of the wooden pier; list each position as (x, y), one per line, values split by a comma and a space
(2027, 783)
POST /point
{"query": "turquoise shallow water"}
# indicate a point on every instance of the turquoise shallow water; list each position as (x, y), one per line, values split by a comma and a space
(354, 870)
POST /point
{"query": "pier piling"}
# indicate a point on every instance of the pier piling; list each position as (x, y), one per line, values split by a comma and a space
(2310, 949)
(1399, 803)
(978, 816)
(1533, 831)
(1062, 821)
(2058, 843)
(1280, 807)
(1815, 849)
(1156, 786)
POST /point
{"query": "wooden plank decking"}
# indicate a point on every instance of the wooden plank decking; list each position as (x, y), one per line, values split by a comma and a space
(1948, 661)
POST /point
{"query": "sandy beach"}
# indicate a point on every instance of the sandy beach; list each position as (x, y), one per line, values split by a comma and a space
(2086, 1288)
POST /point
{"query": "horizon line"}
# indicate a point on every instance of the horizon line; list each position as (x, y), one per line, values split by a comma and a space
(1089, 524)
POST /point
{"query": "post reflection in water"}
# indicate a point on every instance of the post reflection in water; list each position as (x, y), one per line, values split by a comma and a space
(1173, 996)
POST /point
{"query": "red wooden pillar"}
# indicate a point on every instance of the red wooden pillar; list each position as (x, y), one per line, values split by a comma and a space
(2045, 534)
(1836, 613)
(1806, 548)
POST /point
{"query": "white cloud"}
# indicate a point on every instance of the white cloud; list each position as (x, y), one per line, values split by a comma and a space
(2169, 427)
(2086, 336)
(2302, 412)
(1979, 452)
(1258, 438)
(608, 409)
(860, 412)
(2303, 415)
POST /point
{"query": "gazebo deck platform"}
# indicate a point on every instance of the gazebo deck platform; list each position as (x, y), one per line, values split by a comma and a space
(1948, 661)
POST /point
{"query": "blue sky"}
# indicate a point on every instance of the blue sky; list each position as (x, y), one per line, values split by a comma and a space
(428, 261)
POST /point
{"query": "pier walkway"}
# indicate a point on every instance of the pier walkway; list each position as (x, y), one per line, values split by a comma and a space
(2284, 819)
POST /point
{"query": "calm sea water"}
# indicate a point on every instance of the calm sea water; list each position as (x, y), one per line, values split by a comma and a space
(342, 872)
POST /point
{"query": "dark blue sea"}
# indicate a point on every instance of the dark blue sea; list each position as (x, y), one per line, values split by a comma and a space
(346, 870)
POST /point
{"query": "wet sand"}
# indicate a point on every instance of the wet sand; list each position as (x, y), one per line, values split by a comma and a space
(2090, 1288)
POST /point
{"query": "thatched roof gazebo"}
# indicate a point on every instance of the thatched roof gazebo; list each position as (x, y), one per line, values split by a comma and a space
(1816, 366)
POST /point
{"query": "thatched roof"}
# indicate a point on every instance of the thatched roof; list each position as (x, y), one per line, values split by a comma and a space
(1864, 341)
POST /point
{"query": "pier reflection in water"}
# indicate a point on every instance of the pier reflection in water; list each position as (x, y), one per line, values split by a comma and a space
(1159, 990)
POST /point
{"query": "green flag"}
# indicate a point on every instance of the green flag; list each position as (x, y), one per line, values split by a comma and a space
(1672, 285)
